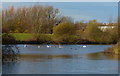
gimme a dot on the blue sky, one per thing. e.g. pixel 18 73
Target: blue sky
pixel 101 11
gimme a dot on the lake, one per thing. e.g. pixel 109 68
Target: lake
pixel 62 59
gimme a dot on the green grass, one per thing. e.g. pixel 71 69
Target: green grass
pixel 44 37
pixel 28 36
pixel 22 36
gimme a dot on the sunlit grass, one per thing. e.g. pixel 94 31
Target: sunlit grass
pixel 28 36
pixel 22 36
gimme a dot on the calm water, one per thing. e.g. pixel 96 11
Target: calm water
pixel 64 59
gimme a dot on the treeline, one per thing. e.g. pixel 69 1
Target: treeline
pixel 34 19
pixel 38 20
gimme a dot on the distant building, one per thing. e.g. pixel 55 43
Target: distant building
pixel 106 27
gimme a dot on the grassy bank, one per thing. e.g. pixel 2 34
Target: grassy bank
pixel 28 38
pixel 113 50
pixel 25 38
pixel 22 36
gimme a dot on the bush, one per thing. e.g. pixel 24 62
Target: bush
pixel 94 34
pixel 64 33
pixel 43 37
pixel 7 38
pixel 114 49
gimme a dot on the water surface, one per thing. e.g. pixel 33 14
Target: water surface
pixel 64 59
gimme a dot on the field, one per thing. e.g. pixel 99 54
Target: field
pixel 28 36
pixel 22 36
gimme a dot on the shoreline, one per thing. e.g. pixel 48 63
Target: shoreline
pixel 58 43
pixel 52 42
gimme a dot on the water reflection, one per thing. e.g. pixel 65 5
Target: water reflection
pixel 101 56
pixel 41 57
pixel 9 53
pixel 10 67
pixel 114 57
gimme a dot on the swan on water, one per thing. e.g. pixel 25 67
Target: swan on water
pixel 25 45
pixel 84 46
pixel 38 46
pixel 48 46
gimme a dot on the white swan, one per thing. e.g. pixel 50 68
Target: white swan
pixel 84 46
pixel 25 45
pixel 48 46
pixel 38 46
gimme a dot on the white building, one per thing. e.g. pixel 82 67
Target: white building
pixel 105 27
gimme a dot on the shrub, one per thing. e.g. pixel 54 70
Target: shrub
pixel 7 38
pixel 92 32
pixel 64 33
pixel 114 49
pixel 43 37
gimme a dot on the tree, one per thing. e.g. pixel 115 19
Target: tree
pixel 37 19
pixel 64 33
pixel 92 32
pixel 113 33
pixel 43 18
pixel 118 26
pixel 8 18
pixel 80 27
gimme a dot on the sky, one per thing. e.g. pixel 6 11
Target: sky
pixel 101 11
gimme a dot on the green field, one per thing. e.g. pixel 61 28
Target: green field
pixel 22 36
pixel 28 36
